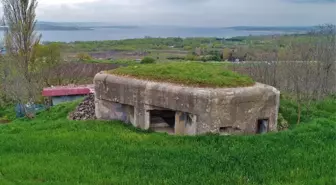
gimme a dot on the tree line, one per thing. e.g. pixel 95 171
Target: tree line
pixel 305 71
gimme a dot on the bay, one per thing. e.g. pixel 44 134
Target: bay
pixel 141 32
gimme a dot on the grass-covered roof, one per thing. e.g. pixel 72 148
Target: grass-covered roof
pixel 187 73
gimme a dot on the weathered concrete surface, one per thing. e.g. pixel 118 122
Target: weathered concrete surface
pixel 198 110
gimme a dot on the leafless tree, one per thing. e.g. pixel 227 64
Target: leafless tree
pixel 325 53
pixel 305 69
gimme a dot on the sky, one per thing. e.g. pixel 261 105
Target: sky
pixel 223 13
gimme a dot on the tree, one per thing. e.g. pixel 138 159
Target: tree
pixel 226 53
pixel 148 60
pixel 323 51
pixel 83 57
pixel 20 37
pixel 21 41
pixel 305 68
pixel 48 57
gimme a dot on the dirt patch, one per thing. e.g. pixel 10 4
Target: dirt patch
pixel 3 122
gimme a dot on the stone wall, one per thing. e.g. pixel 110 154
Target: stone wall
pixel 198 110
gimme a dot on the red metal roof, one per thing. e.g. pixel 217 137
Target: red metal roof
pixel 68 90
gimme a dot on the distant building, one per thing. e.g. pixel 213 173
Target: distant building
pixel 60 94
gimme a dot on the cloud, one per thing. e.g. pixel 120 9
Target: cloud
pixel 191 12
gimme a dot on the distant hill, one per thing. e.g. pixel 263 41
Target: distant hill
pixel 46 26
pixel 43 26
pixel 73 26
pixel 79 25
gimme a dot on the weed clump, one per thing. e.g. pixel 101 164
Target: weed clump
pixel 148 60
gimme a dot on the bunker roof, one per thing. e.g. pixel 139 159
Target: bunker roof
pixel 194 74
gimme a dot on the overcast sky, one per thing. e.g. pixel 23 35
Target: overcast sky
pixel 191 12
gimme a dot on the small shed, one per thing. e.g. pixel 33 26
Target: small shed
pixel 59 94
pixel 3 51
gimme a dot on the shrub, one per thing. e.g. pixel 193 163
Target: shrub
pixel 282 123
pixel 191 57
pixel 83 57
pixel 148 60
pixel 176 58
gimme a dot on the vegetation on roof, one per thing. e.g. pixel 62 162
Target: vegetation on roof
pixel 187 73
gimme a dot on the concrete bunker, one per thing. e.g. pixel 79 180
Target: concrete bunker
pixel 183 110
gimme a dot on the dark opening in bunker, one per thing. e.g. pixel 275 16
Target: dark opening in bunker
pixel 229 130
pixel 262 126
pixel 162 121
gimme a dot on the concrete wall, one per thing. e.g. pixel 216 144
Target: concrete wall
pixel 114 111
pixel 210 110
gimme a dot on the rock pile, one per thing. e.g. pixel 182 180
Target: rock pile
pixel 85 110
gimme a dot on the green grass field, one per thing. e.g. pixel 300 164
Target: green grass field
pixel 53 150
pixel 187 73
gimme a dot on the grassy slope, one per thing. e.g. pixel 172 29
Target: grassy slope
pixel 53 150
pixel 188 73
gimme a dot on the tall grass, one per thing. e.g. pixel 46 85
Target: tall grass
pixel 53 150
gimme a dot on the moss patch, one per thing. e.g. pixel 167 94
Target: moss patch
pixel 187 73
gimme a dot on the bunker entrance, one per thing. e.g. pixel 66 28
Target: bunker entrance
pixel 162 121
pixel 262 126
